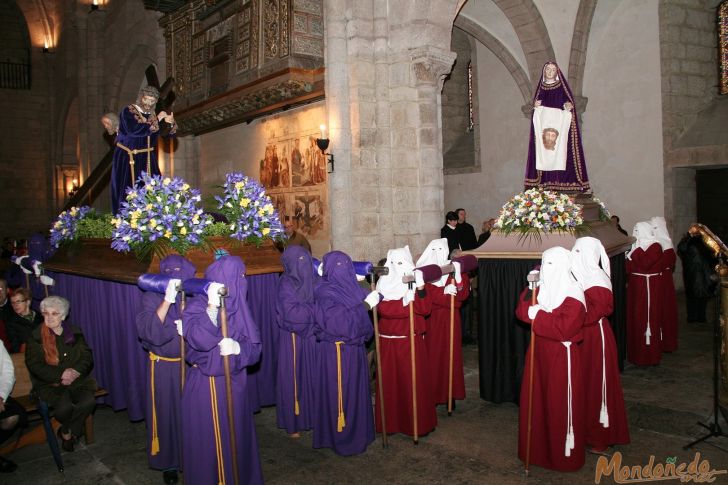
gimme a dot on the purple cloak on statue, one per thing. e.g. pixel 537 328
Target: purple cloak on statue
pixel 206 441
pixel 574 178
pixel 161 341
pixel 137 131
pixel 344 419
pixel 298 360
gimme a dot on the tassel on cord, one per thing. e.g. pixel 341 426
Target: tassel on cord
pixel 569 445
pixel 603 413
pixel 296 407
pixel 341 421
pixel 648 334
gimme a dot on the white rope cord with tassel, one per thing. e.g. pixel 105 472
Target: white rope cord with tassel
pixel 603 413
pixel 569 445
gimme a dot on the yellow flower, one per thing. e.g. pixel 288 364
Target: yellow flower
pixel 185 187
pixel 73 211
pixel 195 220
pixel 244 202
pixel 149 206
pixel 58 224
pixel 167 234
pixel 152 223
pixel 166 181
pixel 265 231
pixel 239 185
pixel 183 231
pixel 261 212
pixel 133 224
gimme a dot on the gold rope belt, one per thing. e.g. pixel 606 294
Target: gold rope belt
pixel 341 422
pixel 155 437
pixel 148 150
pixel 218 436
pixel 296 408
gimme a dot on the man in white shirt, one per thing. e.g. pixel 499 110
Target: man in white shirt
pixel 11 413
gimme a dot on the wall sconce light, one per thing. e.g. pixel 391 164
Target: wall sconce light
pixel 323 144
pixel 94 6
pixel 45 49
pixel 74 187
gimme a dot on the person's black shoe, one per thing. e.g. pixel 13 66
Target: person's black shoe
pixel 7 466
pixel 170 477
pixel 67 445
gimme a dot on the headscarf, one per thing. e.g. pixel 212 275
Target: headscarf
pixel 399 262
pixel 339 280
pixel 586 255
pixel 298 272
pixel 644 237
pixel 436 253
pixel 176 266
pixel 543 75
pixel 659 228
pixel 37 248
pixel 556 282
pixel 230 271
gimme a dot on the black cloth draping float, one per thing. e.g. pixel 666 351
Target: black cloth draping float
pixel 503 339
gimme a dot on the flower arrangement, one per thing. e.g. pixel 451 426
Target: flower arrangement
pixel 604 214
pixel 249 211
pixel 537 210
pixel 159 216
pixel 66 226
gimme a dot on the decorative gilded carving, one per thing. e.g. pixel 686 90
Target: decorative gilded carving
pixel 247 103
pixel 284 27
pixel 271 34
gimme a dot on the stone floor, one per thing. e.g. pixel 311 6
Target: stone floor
pixel 476 445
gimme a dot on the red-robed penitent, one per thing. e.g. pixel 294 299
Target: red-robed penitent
pixel 437 341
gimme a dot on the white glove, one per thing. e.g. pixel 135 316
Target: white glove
pixel 533 284
pixel 320 269
pixel 372 299
pixel 37 268
pixel 409 296
pixel 19 261
pixel 458 275
pixel 170 293
pixel 229 346
pixel 360 277
pixel 47 280
pixel 450 290
pixel 419 279
pixel 533 310
pixel 213 293
pixel 178 324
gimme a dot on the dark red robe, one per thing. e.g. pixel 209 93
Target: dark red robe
pixel 397 369
pixel 438 341
pixel 599 304
pixel 668 301
pixel 639 263
pixel 550 387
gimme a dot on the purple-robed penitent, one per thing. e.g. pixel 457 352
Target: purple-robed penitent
pixel 298 361
pixel 341 316
pixel 574 178
pixel 137 131
pixel 204 406
pixel 160 338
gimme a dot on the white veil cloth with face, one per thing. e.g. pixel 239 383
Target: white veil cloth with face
pixel 436 253
pixel 399 262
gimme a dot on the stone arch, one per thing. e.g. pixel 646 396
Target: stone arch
pixel 531 31
pixel 579 44
pixel 15 46
pixel 129 76
pixel 40 23
pixel 500 51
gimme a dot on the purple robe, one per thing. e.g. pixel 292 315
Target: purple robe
pixel 262 376
pixel 134 129
pixel 574 178
pixel 344 419
pixel 204 406
pixel 298 360
pixel 160 338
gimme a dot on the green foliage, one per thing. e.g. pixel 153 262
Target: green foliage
pixel 95 226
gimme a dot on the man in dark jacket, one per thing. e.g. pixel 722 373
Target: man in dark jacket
pixel 698 275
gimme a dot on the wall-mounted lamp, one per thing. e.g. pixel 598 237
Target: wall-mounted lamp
pixel 74 187
pixel 45 49
pixel 323 144
pixel 94 6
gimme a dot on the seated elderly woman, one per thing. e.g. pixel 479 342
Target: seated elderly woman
pixel 24 320
pixel 60 363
